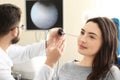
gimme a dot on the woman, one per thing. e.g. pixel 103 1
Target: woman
pixel 98 43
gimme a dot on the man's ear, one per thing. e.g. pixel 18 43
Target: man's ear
pixel 14 31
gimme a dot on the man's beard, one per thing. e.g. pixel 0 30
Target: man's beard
pixel 15 40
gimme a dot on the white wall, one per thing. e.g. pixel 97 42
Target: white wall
pixel 73 12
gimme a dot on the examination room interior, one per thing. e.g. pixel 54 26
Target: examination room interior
pixel 75 12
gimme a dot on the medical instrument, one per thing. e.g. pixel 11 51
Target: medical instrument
pixel 61 32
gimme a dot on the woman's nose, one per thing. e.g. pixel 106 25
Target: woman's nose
pixel 83 39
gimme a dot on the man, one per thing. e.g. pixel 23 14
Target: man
pixel 10 16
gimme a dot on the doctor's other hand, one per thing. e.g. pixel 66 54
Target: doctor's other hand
pixel 55 47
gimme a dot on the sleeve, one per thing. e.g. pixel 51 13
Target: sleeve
pixel 45 73
pixel 20 54
pixel 114 74
pixel 5 75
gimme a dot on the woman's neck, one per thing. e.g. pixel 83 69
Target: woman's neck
pixel 86 61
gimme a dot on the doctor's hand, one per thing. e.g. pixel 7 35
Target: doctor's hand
pixel 55 47
pixel 53 36
pixel 54 52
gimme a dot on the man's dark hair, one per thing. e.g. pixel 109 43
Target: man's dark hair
pixel 9 16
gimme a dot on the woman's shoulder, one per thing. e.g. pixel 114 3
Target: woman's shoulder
pixel 114 73
pixel 115 70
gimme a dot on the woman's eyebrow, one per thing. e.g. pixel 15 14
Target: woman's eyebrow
pixel 82 29
pixel 89 32
pixel 92 33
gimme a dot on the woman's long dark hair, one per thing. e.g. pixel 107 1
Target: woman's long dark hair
pixel 107 55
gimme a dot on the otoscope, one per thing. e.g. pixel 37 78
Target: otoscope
pixel 61 32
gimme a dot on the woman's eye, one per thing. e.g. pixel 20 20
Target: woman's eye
pixel 92 37
pixel 82 32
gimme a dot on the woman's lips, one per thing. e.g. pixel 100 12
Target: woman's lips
pixel 82 47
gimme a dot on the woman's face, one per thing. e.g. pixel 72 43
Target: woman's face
pixel 90 39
